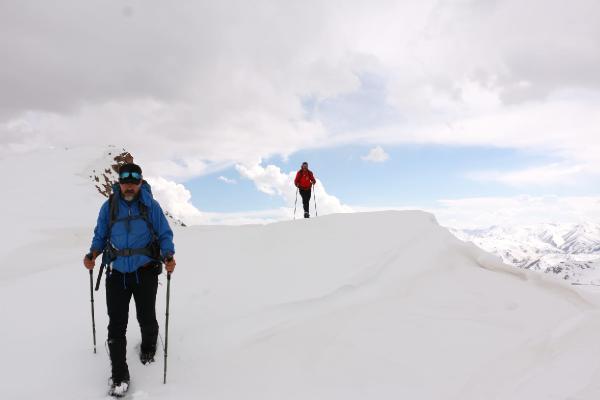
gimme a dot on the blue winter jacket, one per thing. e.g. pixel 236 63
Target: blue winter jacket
pixel 134 233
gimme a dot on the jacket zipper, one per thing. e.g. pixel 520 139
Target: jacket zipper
pixel 127 237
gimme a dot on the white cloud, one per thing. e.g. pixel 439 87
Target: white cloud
pixel 272 181
pixel 182 102
pixel 465 213
pixel 377 155
pixel 175 198
pixel 269 180
pixel 214 84
pixel 564 125
pixel 241 218
pixel 488 211
pixel 227 180
pixel 483 212
pixel 551 174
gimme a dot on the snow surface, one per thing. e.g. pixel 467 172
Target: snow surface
pixel 382 305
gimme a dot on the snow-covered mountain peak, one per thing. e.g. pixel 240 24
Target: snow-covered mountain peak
pixel 103 173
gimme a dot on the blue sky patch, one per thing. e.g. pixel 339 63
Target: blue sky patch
pixel 414 175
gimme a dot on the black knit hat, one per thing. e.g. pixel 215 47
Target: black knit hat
pixel 130 173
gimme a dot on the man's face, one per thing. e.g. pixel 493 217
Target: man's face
pixel 305 166
pixel 130 190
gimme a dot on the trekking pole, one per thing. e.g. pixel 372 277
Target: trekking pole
pixel 315 199
pixel 100 273
pixel 167 321
pixel 89 256
pixel 584 284
pixel 295 203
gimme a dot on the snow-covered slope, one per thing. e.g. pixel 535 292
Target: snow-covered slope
pixel 564 250
pixel 357 306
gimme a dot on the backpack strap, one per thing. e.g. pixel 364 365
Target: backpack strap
pixel 144 216
pixel 152 250
pixel 108 252
pixel 113 201
pixel 144 251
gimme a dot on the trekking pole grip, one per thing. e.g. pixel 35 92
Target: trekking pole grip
pixel 168 259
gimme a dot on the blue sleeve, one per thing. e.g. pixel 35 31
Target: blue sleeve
pixel 101 231
pixel 162 230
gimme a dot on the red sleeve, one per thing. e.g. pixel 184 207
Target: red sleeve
pixel 312 178
pixel 297 178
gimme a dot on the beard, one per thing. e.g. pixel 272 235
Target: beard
pixel 129 195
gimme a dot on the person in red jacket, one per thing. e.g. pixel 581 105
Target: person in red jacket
pixel 304 182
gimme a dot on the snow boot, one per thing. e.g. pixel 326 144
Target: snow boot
pixel 117 348
pixel 147 355
pixel 306 215
pixel 118 388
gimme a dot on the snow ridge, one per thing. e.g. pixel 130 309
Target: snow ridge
pixel 383 305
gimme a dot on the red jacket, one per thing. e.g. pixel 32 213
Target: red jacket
pixel 304 180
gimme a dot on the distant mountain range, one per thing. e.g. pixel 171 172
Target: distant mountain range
pixel 570 251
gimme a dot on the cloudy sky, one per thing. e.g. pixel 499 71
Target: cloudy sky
pixel 481 111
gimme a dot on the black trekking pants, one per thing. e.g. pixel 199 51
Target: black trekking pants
pixel 119 289
pixel 305 194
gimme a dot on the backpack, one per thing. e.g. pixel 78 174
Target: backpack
pixel 109 254
pixel 304 180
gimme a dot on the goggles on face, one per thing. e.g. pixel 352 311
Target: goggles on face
pixel 130 175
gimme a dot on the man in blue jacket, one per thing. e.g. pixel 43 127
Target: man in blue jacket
pixel 134 231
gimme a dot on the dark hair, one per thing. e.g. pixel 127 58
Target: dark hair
pixel 130 168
